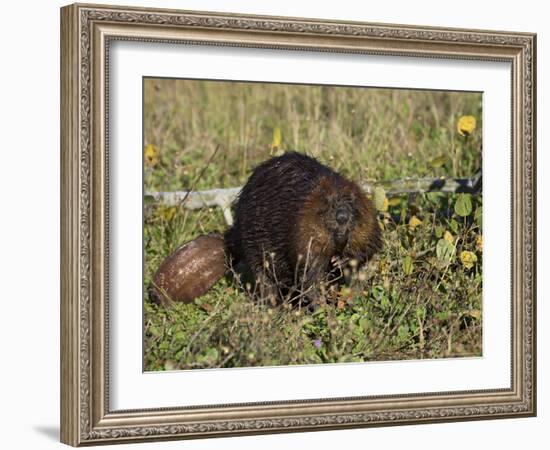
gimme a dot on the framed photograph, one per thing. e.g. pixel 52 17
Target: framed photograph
pixel 276 225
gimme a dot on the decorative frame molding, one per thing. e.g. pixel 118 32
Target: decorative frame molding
pixel 86 31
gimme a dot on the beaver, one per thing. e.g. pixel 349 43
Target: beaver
pixel 297 223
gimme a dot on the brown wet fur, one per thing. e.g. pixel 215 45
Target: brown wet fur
pixel 295 218
pixel 314 236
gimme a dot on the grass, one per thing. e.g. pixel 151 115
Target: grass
pixel 419 298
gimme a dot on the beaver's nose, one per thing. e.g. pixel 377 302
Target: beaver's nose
pixel 342 216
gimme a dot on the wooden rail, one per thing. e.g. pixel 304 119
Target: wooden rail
pixel 223 198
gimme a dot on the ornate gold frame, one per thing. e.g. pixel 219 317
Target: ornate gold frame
pixel 86 31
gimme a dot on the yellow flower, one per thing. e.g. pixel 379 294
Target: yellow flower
pixel 468 259
pixel 449 237
pixel 479 243
pixel 394 201
pixel 414 222
pixel 475 313
pixel 276 142
pixel 466 125
pixel 276 137
pixel 151 155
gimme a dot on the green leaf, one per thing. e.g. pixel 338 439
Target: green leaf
pixel 380 199
pixel 209 357
pixel 403 215
pixel 433 197
pixel 403 332
pixel 407 265
pixel 385 302
pixel 154 331
pixel 364 323
pixel 164 345
pixel 421 312
pixel 378 292
pixel 444 250
pixel 439 230
pixel 463 205
pixel 454 226
pixel 478 216
pixel 438 162
pixel 179 336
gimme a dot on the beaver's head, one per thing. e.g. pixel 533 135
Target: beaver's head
pixel 338 210
pixel 337 220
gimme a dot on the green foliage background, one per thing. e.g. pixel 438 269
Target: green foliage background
pixel 419 298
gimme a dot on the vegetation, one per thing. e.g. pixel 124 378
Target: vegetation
pixel 419 298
